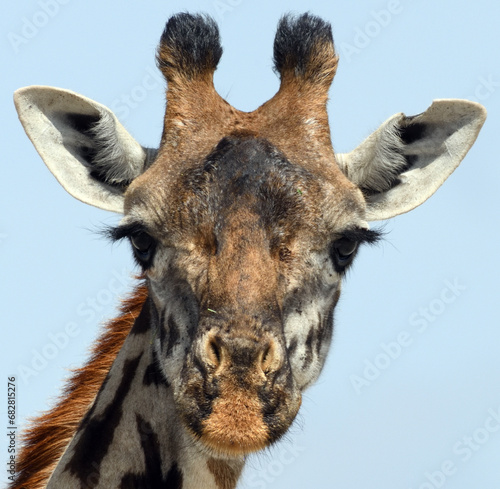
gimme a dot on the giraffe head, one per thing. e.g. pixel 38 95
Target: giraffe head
pixel 244 223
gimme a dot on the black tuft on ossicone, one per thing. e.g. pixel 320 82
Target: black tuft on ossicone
pixel 189 44
pixel 297 40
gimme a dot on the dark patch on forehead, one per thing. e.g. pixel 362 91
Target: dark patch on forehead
pixel 249 171
pixel 97 437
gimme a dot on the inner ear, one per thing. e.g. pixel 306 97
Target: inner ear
pixel 394 159
pixel 412 131
pixel 83 146
pixel 95 140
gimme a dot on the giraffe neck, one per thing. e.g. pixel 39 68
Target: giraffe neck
pixel 131 436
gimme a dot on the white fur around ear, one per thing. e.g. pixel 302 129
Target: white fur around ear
pixel 407 159
pixel 82 143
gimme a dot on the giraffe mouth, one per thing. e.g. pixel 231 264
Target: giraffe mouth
pixel 241 422
pixel 236 425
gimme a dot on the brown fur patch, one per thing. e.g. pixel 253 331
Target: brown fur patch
pixel 241 273
pixel 236 425
pixel 49 434
pixel 224 474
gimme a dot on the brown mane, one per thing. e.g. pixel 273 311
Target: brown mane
pixel 49 434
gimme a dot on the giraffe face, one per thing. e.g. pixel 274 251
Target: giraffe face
pixel 243 226
pixel 244 268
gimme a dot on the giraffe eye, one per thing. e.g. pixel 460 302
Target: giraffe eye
pixel 343 251
pixel 143 245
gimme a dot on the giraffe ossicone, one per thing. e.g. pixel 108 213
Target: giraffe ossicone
pixel 243 224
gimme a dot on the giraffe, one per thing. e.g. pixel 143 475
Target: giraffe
pixel 243 226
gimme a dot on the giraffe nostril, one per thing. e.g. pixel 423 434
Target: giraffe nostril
pixel 214 351
pixel 265 360
pixel 269 358
pixel 239 354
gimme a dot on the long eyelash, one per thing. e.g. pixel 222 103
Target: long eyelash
pixel 119 232
pixel 370 236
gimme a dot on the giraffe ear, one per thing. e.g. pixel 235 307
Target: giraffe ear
pixel 407 159
pixel 82 143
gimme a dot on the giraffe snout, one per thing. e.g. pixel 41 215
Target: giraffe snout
pixel 239 394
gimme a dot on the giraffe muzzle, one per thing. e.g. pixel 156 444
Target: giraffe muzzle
pixel 239 395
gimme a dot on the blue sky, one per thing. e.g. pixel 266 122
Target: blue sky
pixel 418 318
